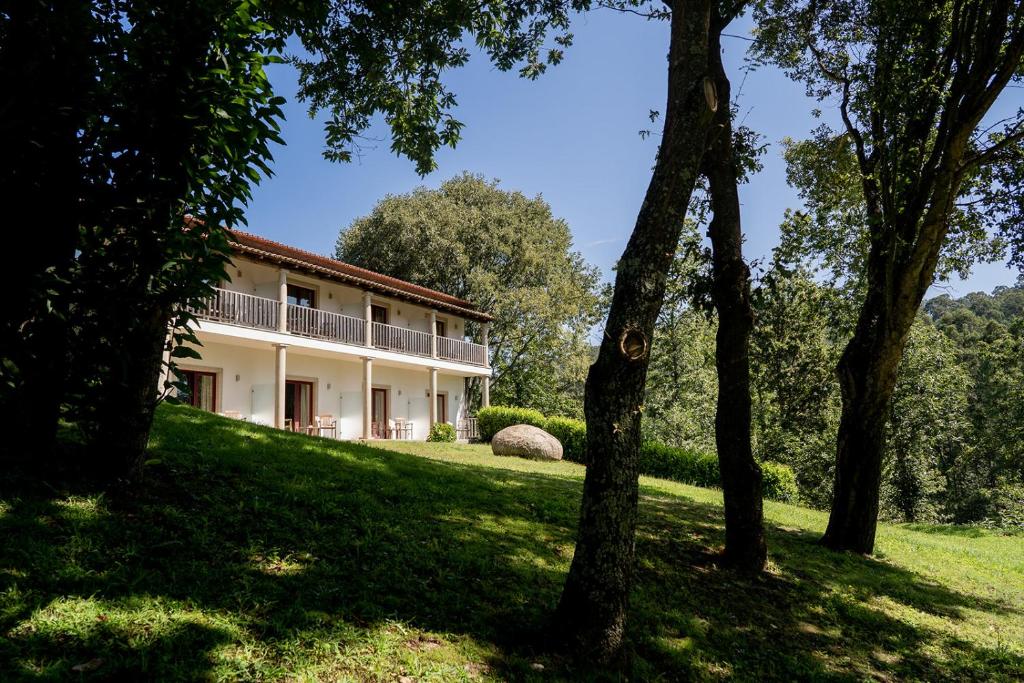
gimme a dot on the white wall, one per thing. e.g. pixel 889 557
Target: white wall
pixel 338 386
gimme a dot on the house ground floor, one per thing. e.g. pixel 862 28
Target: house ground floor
pixel 330 394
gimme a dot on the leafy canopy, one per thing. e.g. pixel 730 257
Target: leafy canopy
pixel 506 253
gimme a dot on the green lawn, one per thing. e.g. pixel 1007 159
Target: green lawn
pixel 256 554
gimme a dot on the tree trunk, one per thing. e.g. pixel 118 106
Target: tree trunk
pixel 591 615
pixel 129 396
pixel 867 377
pixel 745 546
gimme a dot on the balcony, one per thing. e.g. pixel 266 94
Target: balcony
pixel 246 310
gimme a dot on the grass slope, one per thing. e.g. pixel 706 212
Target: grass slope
pixel 256 554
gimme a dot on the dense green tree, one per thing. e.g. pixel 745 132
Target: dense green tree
pixel 801 327
pixel 914 82
pixel 507 253
pixel 143 111
pixel 929 433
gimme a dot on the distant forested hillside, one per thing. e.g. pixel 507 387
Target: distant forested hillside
pixel 955 450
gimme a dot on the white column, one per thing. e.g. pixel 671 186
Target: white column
pixel 367 397
pixel 282 300
pixel 485 389
pixel 368 317
pixel 281 358
pixel 485 330
pixel 433 333
pixel 433 397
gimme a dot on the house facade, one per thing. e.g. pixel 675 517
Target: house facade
pixel 307 343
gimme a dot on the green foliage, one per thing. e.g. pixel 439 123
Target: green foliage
pixel 701 469
pixel 508 254
pixel 368 59
pixel 685 465
pixel 572 434
pixel 442 432
pixel 495 418
pixel 779 482
pixel 682 383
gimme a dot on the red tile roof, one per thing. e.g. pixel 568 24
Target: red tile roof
pixel 332 269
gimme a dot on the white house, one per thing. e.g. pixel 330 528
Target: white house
pixel 304 342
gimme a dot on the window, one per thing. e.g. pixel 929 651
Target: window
pixel 301 296
pixel 442 328
pixel 202 389
pixel 379 314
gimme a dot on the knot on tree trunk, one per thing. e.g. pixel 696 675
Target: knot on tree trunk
pixel 633 344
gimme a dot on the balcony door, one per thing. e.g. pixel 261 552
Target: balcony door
pixel 298 404
pixel 379 413
pixel 300 320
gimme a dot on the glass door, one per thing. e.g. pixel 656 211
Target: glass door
pixel 202 389
pixel 298 405
pixel 442 406
pixel 379 413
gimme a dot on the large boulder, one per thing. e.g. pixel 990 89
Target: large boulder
pixel 526 441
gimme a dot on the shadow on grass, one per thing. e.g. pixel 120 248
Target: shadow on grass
pixel 247 546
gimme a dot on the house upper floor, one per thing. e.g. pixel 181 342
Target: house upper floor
pixel 278 288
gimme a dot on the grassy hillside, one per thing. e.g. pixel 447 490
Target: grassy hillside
pixel 256 554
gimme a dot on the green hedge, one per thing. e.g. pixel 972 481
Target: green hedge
pixel 701 469
pixel 656 460
pixel 573 435
pixel 492 420
pixel 679 464
pixel 442 432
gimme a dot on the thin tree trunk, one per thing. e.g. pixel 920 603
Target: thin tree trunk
pixel 591 615
pixel 745 546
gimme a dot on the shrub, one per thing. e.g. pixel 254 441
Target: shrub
pixel 701 469
pixel 492 420
pixel 679 464
pixel 779 482
pixel 573 435
pixel 686 465
pixel 442 432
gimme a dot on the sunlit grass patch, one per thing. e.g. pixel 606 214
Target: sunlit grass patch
pixel 251 553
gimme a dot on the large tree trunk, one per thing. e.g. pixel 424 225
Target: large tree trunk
pixel 592 612
pixel 128 395
pixel 745 546
pixel 867 376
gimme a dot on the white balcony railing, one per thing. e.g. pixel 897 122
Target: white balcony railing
pixel 246 310
pixel 401 339
pixel 238 308
pixel 461 351
pixel 312 322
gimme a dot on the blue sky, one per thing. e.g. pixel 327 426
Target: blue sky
pixel 571 136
